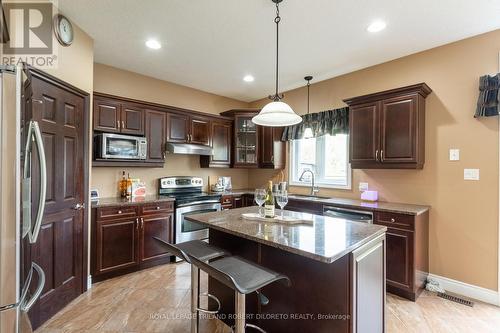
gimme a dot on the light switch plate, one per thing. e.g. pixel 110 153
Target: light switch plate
pixel 363 187
pixel 454 154
pixel 471 174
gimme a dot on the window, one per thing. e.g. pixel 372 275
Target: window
pixel 326 156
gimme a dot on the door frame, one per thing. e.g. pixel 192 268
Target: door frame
pixel 35 72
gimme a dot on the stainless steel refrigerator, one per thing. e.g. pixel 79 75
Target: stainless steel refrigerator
pixel 20 218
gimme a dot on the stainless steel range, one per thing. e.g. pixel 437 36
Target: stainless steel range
pixel 189 199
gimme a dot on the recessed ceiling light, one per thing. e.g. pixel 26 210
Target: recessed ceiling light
pixel 153 44
pixel 248 78
pixel 376 26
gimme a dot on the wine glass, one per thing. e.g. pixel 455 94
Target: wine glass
pixel 260 198
pixel 282 200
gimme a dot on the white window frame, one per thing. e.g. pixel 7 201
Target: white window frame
pixel 291 171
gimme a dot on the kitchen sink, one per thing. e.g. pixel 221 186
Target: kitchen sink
pixel 305 196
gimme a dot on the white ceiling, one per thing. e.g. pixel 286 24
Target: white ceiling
pixel 211 44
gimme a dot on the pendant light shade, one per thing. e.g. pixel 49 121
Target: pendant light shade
pixel 277 113
pixel 308 132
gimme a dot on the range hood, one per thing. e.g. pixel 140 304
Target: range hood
pixel 188 148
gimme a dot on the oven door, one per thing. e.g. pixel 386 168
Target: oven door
pixel 117 146
pixel 187 230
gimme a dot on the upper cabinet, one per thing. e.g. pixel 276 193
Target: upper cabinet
pixel 114 116
pixel 222 145
pixel 255 146
pixel 156 125
pixel 188 129
pixel 387 129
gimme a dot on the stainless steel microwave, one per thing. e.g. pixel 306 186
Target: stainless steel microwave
pixel 118 146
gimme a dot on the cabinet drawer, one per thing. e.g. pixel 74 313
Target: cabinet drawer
pixel 118 212
pixel 395 220
pixel 157 208
pixel 226 200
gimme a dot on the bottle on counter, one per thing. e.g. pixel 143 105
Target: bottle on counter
pixel 128 186
pixel 122 186
pixel 269 203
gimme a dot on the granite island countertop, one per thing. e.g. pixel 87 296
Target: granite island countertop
pixel 326 239
pixel 118 201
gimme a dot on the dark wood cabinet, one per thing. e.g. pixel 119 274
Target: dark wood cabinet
pixel 117 242
pixel 122 238
pixel 178 128
pixel 155 226
pixel 200 131
pixel 387 129
pixel 237 201
pixel 132 119
pixel 272 149
pixel 155 134
pixel 407 260
pixel 221 145
pixel 107 115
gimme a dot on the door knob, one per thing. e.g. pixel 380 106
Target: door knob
pixel 79 206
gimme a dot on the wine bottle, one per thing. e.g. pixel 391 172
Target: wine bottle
pixel 122 184
pixel 269 203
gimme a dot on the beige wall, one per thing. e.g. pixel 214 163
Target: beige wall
pixel 464 214
pixel 124 83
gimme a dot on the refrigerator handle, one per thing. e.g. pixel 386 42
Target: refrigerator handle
pixel 26 305
pixel 34 132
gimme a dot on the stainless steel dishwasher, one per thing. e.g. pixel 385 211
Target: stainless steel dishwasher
pixel 348 214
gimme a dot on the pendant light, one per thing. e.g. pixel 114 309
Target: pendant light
pixel 308 132
pixel 277 113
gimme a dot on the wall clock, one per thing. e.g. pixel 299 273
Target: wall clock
pixel 63 29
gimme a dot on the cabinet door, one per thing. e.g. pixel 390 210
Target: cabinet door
pixel 155 226
pixel 398 119
pixel 364 133
pixel 221 144
pixel 200 131
pixel 107 115
pixel 155 132
pixel 271 148
pixel 116 244
pixel 399 258
pixel 246 142
pixel 177 128
pixel 237 202
pixel 132 120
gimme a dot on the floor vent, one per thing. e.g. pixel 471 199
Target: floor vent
pixel 456 299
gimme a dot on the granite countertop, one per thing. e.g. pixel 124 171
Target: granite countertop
pixel 392 207
pixel 108 202
pixel 326 240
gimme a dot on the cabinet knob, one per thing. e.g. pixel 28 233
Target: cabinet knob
pixel 157 207
pixel 393 220
pixel 119 212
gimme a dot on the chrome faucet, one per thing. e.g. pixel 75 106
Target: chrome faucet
pixel 314 188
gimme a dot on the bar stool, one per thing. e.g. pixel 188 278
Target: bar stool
pixel 244 277
pixel 203 252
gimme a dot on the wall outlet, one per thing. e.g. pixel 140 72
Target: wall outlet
pixel 454 154
pixel 363 187
pixel 471 174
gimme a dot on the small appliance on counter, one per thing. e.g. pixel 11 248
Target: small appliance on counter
pixel 369 195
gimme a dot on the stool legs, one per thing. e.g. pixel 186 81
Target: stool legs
pixel 240 312
pixel 195 299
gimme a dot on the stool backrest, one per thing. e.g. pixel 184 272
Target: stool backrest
pixel 174 250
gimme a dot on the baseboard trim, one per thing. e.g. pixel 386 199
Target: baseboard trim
pixel 467 290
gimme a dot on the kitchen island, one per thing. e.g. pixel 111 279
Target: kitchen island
pixel 336 266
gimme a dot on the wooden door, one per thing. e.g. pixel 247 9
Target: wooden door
pixel 160 226
pixel 177 128
pixel 60 111
pixel 398 120
pixel 364 133
pixel 221 145
pixel 116 244
pixel 155 132
pixel 200 131
pixel 271 148
pixel 399 258
pixel 132 120
pixel 107 115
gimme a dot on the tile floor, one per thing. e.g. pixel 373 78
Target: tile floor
pixel 157 300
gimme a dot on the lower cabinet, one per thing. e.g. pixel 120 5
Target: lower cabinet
pixel 122 238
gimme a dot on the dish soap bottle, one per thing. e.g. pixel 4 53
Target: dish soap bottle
pixel 269 203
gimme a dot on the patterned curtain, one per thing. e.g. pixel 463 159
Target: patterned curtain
pixel 488 103
pixel 327 122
